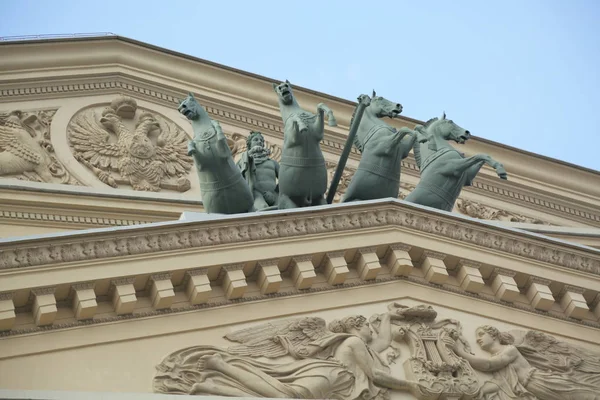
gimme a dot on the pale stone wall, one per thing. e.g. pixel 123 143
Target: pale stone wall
pixel 120 278
pixel 109 363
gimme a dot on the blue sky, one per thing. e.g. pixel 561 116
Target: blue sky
pixel 525 73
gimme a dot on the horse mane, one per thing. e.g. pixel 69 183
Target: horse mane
pixel 417 152
pixel 417 145
pixel 357 142
pixel 429 122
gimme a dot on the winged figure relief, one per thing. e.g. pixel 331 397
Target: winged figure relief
pixel 302 358
pixel 26 152
pixel 129 146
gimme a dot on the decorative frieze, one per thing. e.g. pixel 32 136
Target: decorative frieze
pixel 573 302
pixel 44 306
pixel 398 259
pixel 433 266
pixel 504 285
pixel 198 287
pixel 161 291
pixel 84 300
pixel 123 296
pixel 234 281
pixel 539 294
pixel 301 225
pixel 469 277
pixel 7 311
pixel 335 267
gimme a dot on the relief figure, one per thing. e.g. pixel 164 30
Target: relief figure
pixel 338 361
pixel 535 367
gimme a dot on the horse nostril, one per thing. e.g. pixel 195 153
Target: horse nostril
pixel 467 133
pixel 399 105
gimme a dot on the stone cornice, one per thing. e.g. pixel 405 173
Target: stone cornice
pixel 247 299
pixel 62 205
pixel 97 244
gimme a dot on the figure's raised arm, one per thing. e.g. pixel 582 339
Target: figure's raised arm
pixel 384 337
pixel 493 363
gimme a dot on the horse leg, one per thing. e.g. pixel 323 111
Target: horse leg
pixel 485 159
pixel 498 167
pixel 456 167
pixel 259 201
pixel 319 125
pixel 319 201
pixel 411 143
pixel 322 108
pixel 284 202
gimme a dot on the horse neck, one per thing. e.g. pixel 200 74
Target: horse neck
pixel 439 143
pixel 202 123
pixel 288 109
pixel 368 121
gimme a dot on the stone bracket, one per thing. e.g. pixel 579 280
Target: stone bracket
pixel 84 301
pixel 44 306
pixel 573 303
pixel 335 268
pixel 161 291
pixel 398 259
pixel 504 285
pixel 539 294
pixel 434 268
pixel 595 306
pixel 234 281
pixel 367 263
pixel 124 299
pixel 469 276
pixel 198 287
pixel 303 272
pixel 269 276
pixel 7 311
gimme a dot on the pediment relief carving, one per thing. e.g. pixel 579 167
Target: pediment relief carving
pixel 401 350
pixel 478 210
pixel 125 145
pixel 26 150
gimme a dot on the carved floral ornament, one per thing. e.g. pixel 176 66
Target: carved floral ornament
pixel 403 349
pixel 298 226
pixel 126 145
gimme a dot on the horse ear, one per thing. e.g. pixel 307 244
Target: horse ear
pixel 191 95
pixel 288 82
pixel 274 86
pixel 443 115
pixel 374 94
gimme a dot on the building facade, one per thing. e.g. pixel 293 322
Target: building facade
pixel 112 280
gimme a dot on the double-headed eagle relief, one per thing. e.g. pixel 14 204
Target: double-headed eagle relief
pixel 126 145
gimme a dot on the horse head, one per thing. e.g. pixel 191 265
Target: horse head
pixel 382 107
pixel 284 92
pixel 448 130
pixel 190 108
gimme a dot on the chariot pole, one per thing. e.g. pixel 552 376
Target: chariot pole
pixel 363 102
